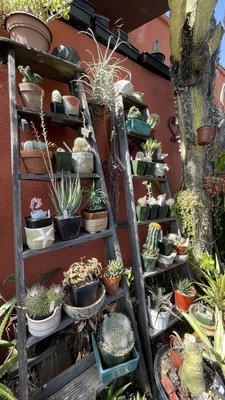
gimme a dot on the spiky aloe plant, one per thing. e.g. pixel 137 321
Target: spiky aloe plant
pixel 66 196
pixel 185 287
pixel 114 268
pixel 111 393
pixel 95 199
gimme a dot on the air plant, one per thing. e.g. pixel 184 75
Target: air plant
pixel 102 72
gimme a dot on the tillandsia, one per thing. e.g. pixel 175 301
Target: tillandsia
pixel 46 10
pixel 29 76
pixel 102 72
pixel 95 199
pixel 40 301
pixel 114 268
pixel 82 273
pixel 36 212
pixel 150 248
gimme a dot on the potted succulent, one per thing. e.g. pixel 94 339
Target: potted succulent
pixel 83 280
pixel 150 250
pixel 156 52
pixel 35 156
pixel 63 160
pixel 151 148
pixel 139 164
pixel 165 246
pixel 136 123
pixel 159 309
pixel 66 196
pixel 95 214
pixel 82 157
pixel 27 21
pixel 142 209
pixel 112 276
pixel 29 89
pixel 43 309
pixel 184 294
pixel 39 229
pixel 180 244
pixel 163 207
pixel 205 316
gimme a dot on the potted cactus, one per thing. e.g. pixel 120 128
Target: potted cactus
pixel 95 214
pixel 180 244
pixel 184 294
pixel 35 156
pixel 66 196
pixel 137 123
pixel 150 250
pixel 29 89
pixel 43 309
pixel 39 228
pixel 138 164
pixel 82 157
pixel 159 309
pixel 83 281
pixel 151 148
pixel 112 276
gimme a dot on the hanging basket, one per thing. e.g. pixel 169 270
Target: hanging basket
pixel 206 134
pixel 80 313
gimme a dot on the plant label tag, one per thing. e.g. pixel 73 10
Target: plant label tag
pixel 85 132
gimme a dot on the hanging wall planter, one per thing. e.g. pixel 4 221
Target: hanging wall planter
pixel 137 127
pixel 206 134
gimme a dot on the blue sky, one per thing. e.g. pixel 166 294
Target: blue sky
pixel 220 13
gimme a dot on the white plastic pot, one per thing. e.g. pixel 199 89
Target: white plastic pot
pixel 83 162
pixel 158 321
pixel 159 169
pixel 124 86
pixel 46 326
pixel 166 261
pixel 71 105
pixel 40 238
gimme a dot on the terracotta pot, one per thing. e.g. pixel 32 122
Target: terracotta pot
pixel 29 30
pixel 181 250
pixel 111 284
pixel 183 301
pixel 95 221
pixel 212 186
pixel 33 161
pixel 206 134
pixel 31 95
pixel 176 358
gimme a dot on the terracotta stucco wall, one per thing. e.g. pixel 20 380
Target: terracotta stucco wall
pixel 159 97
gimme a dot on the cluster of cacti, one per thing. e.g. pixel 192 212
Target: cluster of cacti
pixel 81 144
pixel 150 248
pixel 29 76
pixel 81 273
pixel 114 268
pixel 184 286
pixel 40 301
pixel 150 146
pixel 116 336
pixel 134 112
pixel 153 120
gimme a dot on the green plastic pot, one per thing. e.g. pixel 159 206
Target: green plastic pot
pixel 63 161
pixel 149 263
pixel 142 212
pixel 138 167
pixel 150 168
pixel 163 211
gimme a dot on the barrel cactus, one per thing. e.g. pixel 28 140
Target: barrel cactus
pixel 115 339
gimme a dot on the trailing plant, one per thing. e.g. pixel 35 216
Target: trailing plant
pixel 95 199
pixel 114 268
pixel 102 72
pixel 82 273
pixel 29 76
pixel 66 196
pixel 36 213
pixel 150 248
pixel 40 301
pixel 185 287
pixel 45 10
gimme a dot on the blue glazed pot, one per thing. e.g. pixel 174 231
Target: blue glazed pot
pixel 137 127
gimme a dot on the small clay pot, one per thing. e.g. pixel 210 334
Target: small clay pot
pixel 31 95
pixel 176 358
pixel 182 301
pixel 34 162
pixel 206 134
pixel 111 284
pixel 95 221
pixel 181 250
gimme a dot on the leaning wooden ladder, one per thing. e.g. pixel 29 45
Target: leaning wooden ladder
pixel 80 381
pixel 123 103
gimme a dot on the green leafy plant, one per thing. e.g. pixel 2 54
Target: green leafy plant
pixel 95 199
pixel 114 268
pixel 82 273
pixel 102 72
pixel 137 396
pixel 29 76
pixel 213 290
pixel 150 146
pixel 207 264
pixel 111 393
pixel 66 196
pixel 184 286
pixel 40 301
pixel 46 10
pixel 5 393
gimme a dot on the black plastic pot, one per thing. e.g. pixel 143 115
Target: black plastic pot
pixel 57 107
pixel 163 211
pixel 102 33
pixel 138 167
pixel 68 228
pixel 85 295
pixel 81 13
pixel 155 156
pixel 66 53
pixel 159 56
pixel 63 161
pixel 165 247
pixel 121 34
pixel 101 19
pixel 150 168
pixel 142 212
pixel 39 223
pixel 128 50
pixel 154 209
pixel 152 64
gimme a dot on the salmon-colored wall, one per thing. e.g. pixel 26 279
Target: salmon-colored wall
pixel 159 97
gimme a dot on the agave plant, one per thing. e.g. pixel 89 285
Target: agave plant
pixel 111 393
pixel 102 72
pixel 185 287
pixel 66 196
pixel 94 198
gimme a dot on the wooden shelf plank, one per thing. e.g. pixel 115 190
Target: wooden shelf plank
pixel 123 224
pixel 51 117
pixel 42 63
pixel 66 321
pixel 148 178
pixel 158 271
pixel 172 320
pixel 133 101
pixel 45 177
pixel 82 238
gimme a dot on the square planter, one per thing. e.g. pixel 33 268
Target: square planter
pixel 96 221
pixel 149 263
pixel 68 228
pixel 85 295
pixel 163 211
pixel 165 248
pixel 154 210
pixel 63 161
pixel 158 321
pixel 137 127
pixel 108 375
pixel 138 167
pixel 150 63
pixel 150 168
pixel 142 212
pixel 102 33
